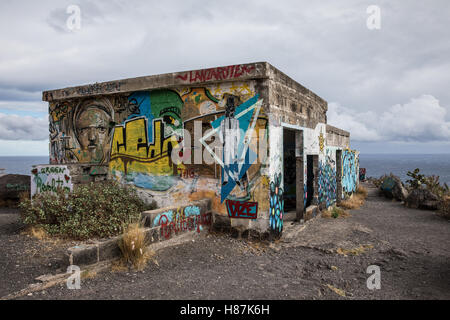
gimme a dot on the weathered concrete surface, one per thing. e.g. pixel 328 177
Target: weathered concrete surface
pixel 258 70
pixel 410 246
pixel 12 186
pixel 337 137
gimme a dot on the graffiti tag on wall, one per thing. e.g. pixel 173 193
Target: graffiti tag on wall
pixel 221 73
pixel 183 219
pixel 50 178
pixel 242 209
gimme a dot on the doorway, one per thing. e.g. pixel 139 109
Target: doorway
pixel 312 172
pixel 338 176
pixel 289 172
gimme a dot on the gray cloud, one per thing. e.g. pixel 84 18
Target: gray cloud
pixel 422 119
pixel 14 127
pixel 324 45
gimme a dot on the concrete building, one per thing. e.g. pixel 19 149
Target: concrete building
pixel 249 138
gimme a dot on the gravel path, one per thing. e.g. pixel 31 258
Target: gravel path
pixel 313 261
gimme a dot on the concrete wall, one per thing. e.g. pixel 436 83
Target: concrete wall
pixel 140 134
pixel 138 128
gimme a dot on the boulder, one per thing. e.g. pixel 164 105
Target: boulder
pixel 392 187
pixel 12 186
pixel 422 198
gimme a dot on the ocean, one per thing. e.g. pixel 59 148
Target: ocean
pixel 375 164
pixel 20 165
pixel 399 164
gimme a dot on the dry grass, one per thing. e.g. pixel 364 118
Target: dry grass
pixel 118 266
pixel 335 212
pixel 336 290
pixel 88 274
pixel 355 251
pixel 362 191
pixel 356 200
pixel 134 247
pixel 37 232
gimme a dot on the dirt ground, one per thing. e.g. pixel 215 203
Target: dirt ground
pixel 325 258
pixel 23 257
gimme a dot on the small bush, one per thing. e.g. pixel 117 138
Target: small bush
pixel 95 210
pixel 416 180
pixel 335 212
pixel 134 246
pixel 431 182
pixel 377 182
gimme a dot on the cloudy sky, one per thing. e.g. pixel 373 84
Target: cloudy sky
pixel 389 87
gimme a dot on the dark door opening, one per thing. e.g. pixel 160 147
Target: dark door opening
pixel 289 164
pixel 338 176
pixel 309 180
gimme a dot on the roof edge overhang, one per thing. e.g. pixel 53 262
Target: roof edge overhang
pixel 239 72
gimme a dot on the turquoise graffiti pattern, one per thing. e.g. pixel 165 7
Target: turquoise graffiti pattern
pixel 327 182
pixel 349 171
pixel 276 205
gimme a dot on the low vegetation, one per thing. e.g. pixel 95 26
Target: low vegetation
pixel 335 212
pixel 134 247
pixel 444 207
pixel 377 182
pixel 431 183
pixel 356 200
pixel 96 210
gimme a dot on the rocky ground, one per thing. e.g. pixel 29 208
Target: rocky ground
pixel 324 259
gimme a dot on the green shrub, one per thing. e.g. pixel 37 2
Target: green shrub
pixel 416 180
pixel 430 182
pixel 95 210
pixel 377 182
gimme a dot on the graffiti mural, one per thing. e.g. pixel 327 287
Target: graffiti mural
pixel 141 147
pixel 80 132
pixel 135 135
pixel 235 130
pixel 327 178
pixel 50 178
pixel 276 205
pixel 350 171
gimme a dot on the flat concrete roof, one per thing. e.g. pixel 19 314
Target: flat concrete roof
pixel 338 131
pixel 239 72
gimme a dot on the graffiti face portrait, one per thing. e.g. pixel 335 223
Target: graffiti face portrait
pixel 93 133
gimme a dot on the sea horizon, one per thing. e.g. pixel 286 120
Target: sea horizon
pixel 376 164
